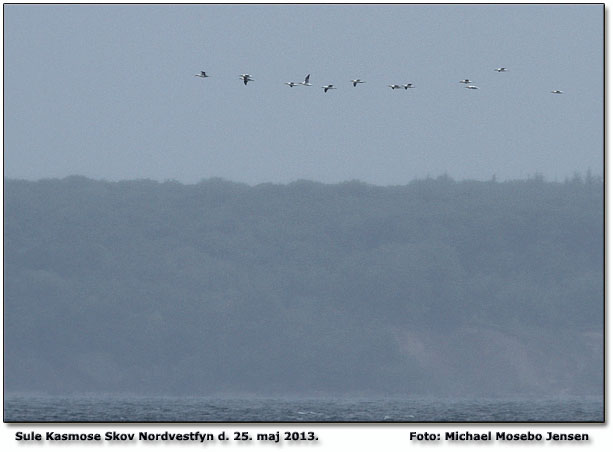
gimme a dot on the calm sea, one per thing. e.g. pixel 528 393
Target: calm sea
pixel 183 409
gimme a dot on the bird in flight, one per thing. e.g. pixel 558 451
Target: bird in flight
pixel 246 78
pixel 557 91
pixel 501 69
pixel 327 87
pixel 395 86
pixel 290 84
pixel 202 74
pixel 466 81
pixel 408 85
pixel 471 87
pixel 306 81
pixel 356 81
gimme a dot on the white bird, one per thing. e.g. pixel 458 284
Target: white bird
pixel 202 74
pixel 290 84
pixel 327 87
pixel 466 81
pixel 246 78
pixel 557 91
pixel 471 87
pixel 395 86
pixel 306 81
pixel 501 69
pixel 356 81
pixel 408 85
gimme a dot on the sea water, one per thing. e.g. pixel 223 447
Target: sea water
pixel 28 408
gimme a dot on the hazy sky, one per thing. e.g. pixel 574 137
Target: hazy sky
pixel 108 92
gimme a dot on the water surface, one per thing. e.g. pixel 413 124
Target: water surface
pixel 199 409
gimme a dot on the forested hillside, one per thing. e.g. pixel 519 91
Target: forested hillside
pixel 435 287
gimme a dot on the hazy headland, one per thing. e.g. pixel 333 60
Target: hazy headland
pixel 437 287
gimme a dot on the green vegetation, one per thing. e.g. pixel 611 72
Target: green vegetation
pixel 435 287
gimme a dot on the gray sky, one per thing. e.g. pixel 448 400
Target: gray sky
pixel 108 92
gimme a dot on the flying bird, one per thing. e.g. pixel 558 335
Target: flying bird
pixel 327 87
pixel 408 85
pixel 466 81
pixel 246 78
pixel 471 87
pixel 306 81
pixel 202 74
pixel 395 86
pixel 356 81
pixel 290 84
pixel 501 69
pixel 557 91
